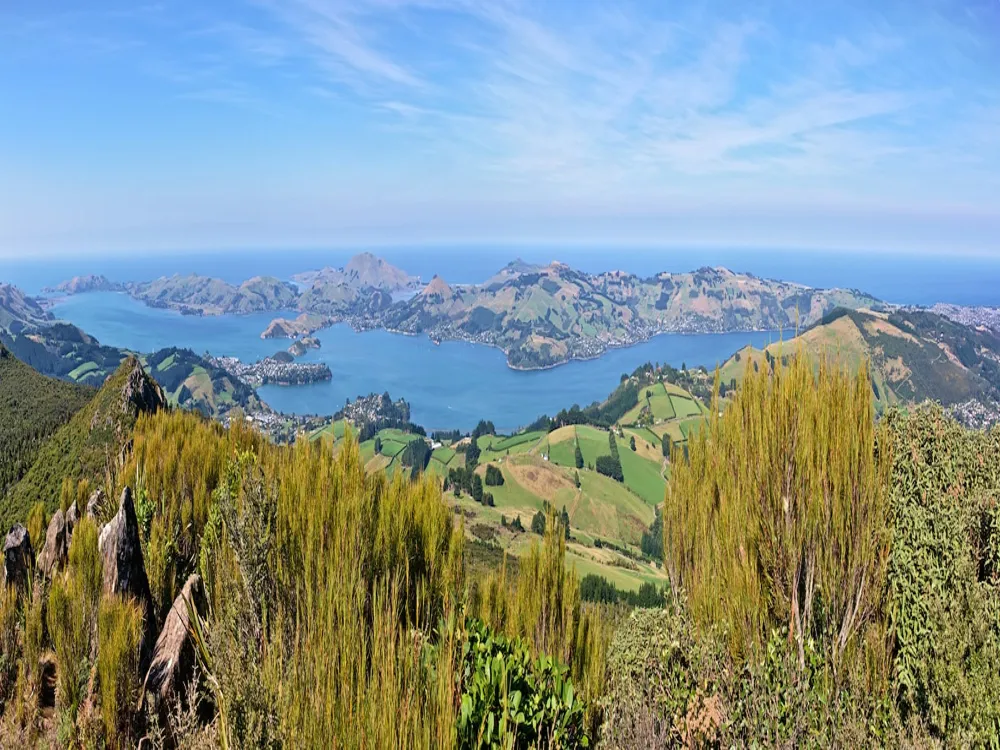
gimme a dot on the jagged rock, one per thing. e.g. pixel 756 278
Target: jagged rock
pixel 18 557
pixel 72 518
pixel 138 394
pixel 56 546
pixel 94 503
pixel 141 393
pixel 124 570
pixel 173 655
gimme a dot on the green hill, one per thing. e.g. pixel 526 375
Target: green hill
pixel 545 315
pixel 914 355
pixel 202 295
pixel 32 407
pixel 88 444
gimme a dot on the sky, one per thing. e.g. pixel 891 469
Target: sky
pixel 856 124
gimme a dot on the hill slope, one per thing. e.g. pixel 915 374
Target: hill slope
pixel 32 407
pixel 914 355
pixel 202 295
pixel 84 447
pixel 545 315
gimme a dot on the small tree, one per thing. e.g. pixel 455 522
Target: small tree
pixel 477 488
pixel 565 521
pixel 378 444
pixel 631 443
pixel 494 477
pixel 538 523
pixel 578 455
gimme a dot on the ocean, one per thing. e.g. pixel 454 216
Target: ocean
pixel 454 384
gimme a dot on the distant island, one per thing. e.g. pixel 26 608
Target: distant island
pixel 83 284
pixel 539 316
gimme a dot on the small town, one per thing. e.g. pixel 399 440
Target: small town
pixel 270 371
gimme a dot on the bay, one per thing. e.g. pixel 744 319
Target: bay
pixel 451 385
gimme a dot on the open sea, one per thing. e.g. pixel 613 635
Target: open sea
pixel 455 384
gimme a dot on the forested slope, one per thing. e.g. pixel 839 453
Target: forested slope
pixel 32 407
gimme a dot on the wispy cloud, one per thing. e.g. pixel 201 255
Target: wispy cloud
pixel 563 107
pixel 604 97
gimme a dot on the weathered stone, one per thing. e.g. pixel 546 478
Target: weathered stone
pixel 18 557
pixel 56 547
pixel 72 518
pixel 124 570
pixel 94 503
pixel 174 656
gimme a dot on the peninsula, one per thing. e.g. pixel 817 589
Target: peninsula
pixel 538 315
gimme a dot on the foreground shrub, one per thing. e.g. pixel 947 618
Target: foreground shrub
pixel 673 684
pixel 10 642
pixel 510 699
pixel 944 578
pixel 543 606
pixel 119 633
pixel 778 517
pixel 71 617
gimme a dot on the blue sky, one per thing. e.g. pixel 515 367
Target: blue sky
pixel 289 123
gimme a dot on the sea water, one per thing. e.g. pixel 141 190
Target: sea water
pixel 454 384
pixel 451 385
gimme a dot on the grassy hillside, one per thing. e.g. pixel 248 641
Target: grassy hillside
pixel 539 469
pixel 544 315
pixel 913 355
pixel 203 295
pixel 88 444
pixel 32 407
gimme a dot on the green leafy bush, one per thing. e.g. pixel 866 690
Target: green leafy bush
pixel 510 699
pixel 944 583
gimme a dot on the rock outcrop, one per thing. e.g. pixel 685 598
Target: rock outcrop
pixel 18 557
pixel 124 569
pixel 174 656
pixel 140 394
pixel 56 548
pixel 94 503
pixel 72 519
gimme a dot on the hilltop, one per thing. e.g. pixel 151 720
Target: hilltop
pixel 363 271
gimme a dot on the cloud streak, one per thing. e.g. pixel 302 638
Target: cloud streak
pixel 553 107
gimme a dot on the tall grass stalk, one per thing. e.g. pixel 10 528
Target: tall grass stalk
pixel 778 517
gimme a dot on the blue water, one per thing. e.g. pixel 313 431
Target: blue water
pixel 453 385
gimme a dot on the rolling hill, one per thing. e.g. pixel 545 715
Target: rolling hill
pixel 914 354
pixel 539 316
pixel 544 315
pixel 202 295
